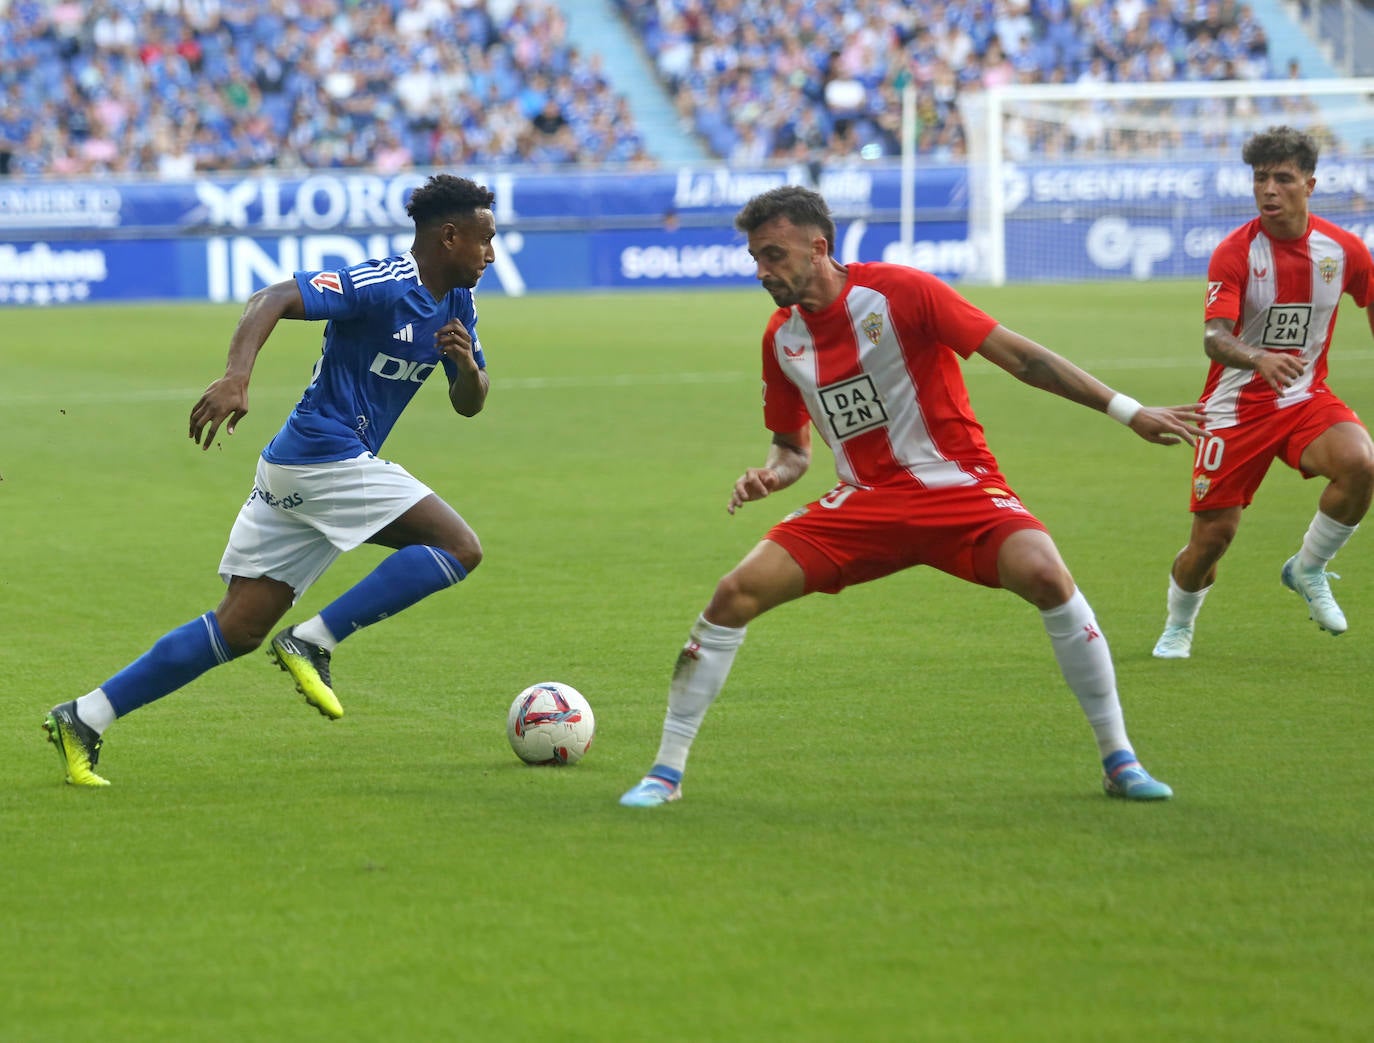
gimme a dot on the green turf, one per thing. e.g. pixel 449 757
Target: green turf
pixel 892 828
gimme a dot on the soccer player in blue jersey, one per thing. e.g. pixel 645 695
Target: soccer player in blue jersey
pixel 321 489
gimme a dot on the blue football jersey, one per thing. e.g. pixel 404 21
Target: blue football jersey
pixel 378 349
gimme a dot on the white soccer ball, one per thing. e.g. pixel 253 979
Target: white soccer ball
pixel 550 723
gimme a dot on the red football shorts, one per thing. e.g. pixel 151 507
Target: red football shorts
pixel 1229 465
pixel 853 535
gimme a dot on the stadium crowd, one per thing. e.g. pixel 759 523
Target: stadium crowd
pixel 807 79
pixel 172 87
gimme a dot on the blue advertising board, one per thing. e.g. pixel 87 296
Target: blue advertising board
pixel 225 268
pixel 221 238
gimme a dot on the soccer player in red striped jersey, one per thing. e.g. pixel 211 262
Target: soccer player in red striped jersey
pixel 1273 287
pixel 869 354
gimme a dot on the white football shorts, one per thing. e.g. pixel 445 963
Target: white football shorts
pixel 298 519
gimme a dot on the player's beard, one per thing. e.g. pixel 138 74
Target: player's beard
pixel 784 294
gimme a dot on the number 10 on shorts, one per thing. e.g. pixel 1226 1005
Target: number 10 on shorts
pixel 1209 452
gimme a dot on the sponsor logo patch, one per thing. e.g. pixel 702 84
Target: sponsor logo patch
pixel 853 406
pixel 328 281
pixel 1004 500
pixel 1286 325
pixel 284 503
pixel 388 367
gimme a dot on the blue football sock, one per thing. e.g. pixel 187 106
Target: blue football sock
pixel 176 659
pixel 401 579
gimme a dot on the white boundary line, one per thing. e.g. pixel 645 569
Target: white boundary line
pixel 615 380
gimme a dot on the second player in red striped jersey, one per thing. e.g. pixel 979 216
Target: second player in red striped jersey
pixel 1273 287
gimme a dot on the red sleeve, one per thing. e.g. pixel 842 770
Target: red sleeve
pixel 1359 278
pixel 1227 273
pixel 958 322
pixel 942 315
pixel 784 409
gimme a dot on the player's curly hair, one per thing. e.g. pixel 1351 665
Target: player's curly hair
pixel 445 196
pixel 802 206
pixel 1280 145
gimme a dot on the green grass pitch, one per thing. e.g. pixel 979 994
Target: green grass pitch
pixel 892 827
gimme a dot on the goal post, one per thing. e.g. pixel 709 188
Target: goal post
pixel 1071 182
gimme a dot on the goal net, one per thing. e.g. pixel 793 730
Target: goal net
pixel 1139 181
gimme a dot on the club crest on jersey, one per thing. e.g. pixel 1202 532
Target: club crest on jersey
pixel 872 327
pixel 1328 266
pixel 1201 485
pixel 328 281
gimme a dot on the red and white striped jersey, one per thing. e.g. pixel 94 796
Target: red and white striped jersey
pixel 1281 295
pixel 878 373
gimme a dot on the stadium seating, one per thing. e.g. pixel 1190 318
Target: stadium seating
pixel 822 79
pixel 171 87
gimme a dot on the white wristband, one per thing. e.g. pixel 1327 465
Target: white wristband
pixel 1123 408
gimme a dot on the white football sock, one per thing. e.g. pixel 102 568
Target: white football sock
pixel 1184 605
pixel 314 631
pixel 702 667
pixel 1325 536
pixel 1086 663
pixel 95 711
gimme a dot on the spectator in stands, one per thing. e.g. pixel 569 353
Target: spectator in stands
pixel 844 95
pixel 172 154
pixel 751 148
pixel 997 68
pixel 549 121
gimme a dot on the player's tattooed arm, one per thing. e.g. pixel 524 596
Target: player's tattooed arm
pixel 1038 366
pixel 789 455
pixel 1278 368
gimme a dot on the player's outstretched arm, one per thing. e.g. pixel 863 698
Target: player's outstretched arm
pixel 1163 425
pixel 1038 366
pixel 789 456
pixel 227 397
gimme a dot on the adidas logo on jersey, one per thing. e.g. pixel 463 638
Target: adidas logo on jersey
pixel 405 333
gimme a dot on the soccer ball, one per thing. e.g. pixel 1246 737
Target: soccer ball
pixel 550 723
